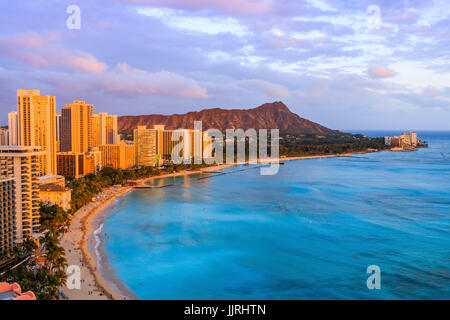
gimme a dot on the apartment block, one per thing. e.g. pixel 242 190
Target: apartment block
pixel 21 164
pixel 7 214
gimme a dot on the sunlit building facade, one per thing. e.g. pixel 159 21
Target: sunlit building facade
pixel 146 146
pixel 118 156
pixel 76 127
pixel 12 128
pixel 104 129
pixel 36 118
pixel 21 164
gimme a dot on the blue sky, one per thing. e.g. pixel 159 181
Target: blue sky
pixel 329 61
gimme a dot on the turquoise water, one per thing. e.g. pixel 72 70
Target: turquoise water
pixel 309 232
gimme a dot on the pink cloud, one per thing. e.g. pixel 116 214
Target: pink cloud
pixel 239 7
pixel 379 72
pixel 39 51
pixel 267 88
pixel 127 80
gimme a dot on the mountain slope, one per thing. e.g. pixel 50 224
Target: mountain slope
pixel 274 115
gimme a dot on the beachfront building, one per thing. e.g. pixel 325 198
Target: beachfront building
pixel 12 128
pixel 195 144
pixel 406 140
pixel 51 194
pixel 167 146
pixel 409 139
pixel 7 214
pixel 104 129
pixel 207 146
pixel 147 147
pixel 36 126
pixel 76 127
pixel 118 156
pixel 21 164
pixel 70 164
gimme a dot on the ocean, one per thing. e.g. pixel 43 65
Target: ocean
pixel 309 232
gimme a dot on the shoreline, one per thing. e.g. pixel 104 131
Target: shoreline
pixel 76 240
pixel 95 285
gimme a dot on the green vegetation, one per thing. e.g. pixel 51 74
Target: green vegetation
pixel 43 278
pixel 307 145
pixel 85 188
pixel 293 146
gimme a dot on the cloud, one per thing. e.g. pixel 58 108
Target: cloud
pixel 127 80
pixel 208 25
pixel 267 88
pixel 38 51
pixel 380 72
pixel 238 7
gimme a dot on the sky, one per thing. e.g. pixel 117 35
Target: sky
pixel 368 65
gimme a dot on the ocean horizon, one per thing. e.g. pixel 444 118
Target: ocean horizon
pixel 309 232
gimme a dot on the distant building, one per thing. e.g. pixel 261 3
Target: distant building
pixel 70 164
pixel 104 129
pixel 119 156
pixel 406 140
pixel 168 145
pixel 12 128
pixel 36 118
pixel 387 140
pixel 76 127
pixel 58 126
pixel 55 194
pixel 207 146
pixel 147 148
pixel 195 144
pixel 4 139
pixel 94 160
pixel 21 164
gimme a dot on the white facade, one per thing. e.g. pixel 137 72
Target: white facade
pixel 12 128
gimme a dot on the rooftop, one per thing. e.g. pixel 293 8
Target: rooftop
pixel 14 292
pixel 50 187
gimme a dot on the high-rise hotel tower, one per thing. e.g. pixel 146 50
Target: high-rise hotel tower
pixel 76 127
pixel 104 129
pixel 36 126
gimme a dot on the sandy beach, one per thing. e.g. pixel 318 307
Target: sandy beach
pixel 94 286
pixel 76 242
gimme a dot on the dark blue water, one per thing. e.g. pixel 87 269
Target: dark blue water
pixel 309 232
